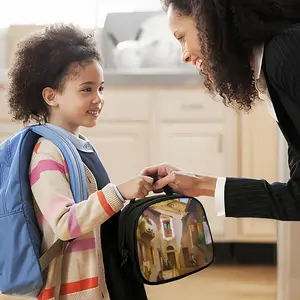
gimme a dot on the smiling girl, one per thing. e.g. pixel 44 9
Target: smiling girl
pixel 57 78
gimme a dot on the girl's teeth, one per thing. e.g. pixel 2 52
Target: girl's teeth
pixel 93 112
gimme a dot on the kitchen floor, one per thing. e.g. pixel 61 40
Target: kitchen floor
pixel 217 283
pixel 221 283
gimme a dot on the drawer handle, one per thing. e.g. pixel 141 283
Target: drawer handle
pixel 192 106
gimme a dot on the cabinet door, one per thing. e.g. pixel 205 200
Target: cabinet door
pixel 197 147
pixel 258 160
pixel 122 147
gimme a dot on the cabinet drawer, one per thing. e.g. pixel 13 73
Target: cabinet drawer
pixel 125 105
pixel 188 105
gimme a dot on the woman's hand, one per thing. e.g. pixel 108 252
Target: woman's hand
pixel 181 181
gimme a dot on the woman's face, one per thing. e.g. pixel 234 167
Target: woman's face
pixel 185 31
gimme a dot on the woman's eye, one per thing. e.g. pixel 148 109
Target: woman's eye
pixel 101 88
pixel 87 90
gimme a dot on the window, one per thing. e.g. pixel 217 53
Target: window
pixel 167 229
pixel 38 12
pixel 87 13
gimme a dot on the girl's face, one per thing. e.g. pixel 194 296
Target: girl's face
pixel 81 101
pixel 185 31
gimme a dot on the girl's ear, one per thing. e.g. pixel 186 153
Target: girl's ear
pixel 49 95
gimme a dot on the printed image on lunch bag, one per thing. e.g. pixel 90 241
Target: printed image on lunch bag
pixel 173 239
pixel 166 238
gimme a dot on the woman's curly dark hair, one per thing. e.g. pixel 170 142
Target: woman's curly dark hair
pixel 43 60
pixel 228 32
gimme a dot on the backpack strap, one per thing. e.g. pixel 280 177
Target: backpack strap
pixel 56 250
pixel 79 191
pixel 72 157
pixel 52 252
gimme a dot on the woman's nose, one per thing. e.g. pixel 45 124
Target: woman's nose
pixel 186 57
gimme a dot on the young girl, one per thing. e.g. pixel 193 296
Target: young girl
pixel 57 78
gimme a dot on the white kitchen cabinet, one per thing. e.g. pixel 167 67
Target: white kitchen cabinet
pixel 198 148
pixel 187 105
pixel 258 160
pixel 122 136
pixel 141 127
pixel 193 134
pixel 4 111
pixel 3 53
pixel 122 147
pixel 129 105
pixel 7 127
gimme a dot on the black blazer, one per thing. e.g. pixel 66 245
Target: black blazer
pixel 259 198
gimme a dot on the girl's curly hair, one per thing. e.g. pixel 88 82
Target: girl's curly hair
pixel 228 32
pixel 43 60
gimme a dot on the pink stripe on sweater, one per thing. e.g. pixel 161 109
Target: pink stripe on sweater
pixel 46 165
pixel 52 206
pixel 74 228
pixel 65 166
pixel 81 245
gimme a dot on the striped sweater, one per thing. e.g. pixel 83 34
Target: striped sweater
pixel 59 217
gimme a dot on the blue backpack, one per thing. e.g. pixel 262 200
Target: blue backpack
pixel 21 264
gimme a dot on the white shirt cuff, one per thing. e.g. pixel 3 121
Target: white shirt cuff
pixel 220 196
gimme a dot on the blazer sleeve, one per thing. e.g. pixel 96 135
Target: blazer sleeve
pixel 258 198
pixel 50 186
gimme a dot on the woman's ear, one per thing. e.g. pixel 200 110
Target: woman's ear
pixel 49 95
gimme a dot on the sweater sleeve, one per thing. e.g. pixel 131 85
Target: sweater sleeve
pixel 51 190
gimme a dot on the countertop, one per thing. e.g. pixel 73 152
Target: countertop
pixel 157 77
pixel 148 77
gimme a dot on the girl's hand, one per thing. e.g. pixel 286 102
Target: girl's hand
pixel 137 187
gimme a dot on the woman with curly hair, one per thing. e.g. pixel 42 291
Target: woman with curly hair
pixel 56 78
pixel 244 49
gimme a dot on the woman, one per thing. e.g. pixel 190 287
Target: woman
pixel 243 47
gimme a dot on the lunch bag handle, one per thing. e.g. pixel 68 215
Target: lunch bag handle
pixel 167 189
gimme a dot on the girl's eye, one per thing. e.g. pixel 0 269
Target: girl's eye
pixel 101 88
pixel 87 90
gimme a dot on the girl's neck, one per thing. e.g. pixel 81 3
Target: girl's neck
pixel 71 128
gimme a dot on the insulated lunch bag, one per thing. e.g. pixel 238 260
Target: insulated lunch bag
pixel 165 237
